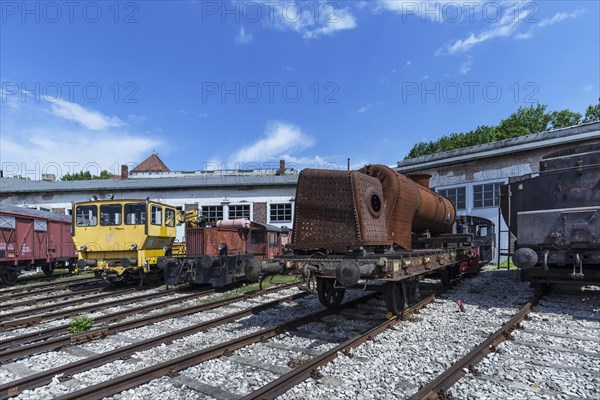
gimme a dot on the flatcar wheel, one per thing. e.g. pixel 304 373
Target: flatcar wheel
pixel 9 276
pixel 445 276
pixel 394 297
pixel 47 269
pixel 329 296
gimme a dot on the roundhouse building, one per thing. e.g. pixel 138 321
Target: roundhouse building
pixel 264 196
pixel 471 176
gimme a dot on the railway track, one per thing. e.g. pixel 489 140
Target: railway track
pixel 13 293
pixel 91 303
pixel 46 377
pixel 553 353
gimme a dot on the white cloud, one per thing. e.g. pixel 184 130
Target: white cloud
pixel 587 88
pixel 384 80
pixel 369 106
pixel 35 141
pixel 243 37
pixel 508 26
pixel 466 66
pixel 559 17
pixel 203 115
pixel 89 119
pixel 425 77
pixel 408 63
pixel 297 17
pixel 136 119
pixel 279 139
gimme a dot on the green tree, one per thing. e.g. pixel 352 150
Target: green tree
pixel 86 176
pixel 525 121
pixel 564 118
pixel 592 113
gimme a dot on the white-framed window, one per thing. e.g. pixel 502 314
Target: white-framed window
pixel 40 225
pixel 239 211
pixel 212 213
pixel 280 212
pixel 457 195
pixel 486 195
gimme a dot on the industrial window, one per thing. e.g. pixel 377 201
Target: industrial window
pixel 40 225
pixel 110 214
pixel 212 213
pixel 135 213
pixel 239 211
pixel 156 215
pixel 456 195
pixel 486 195
pixel 87 215
pixel 272 239
pixel 7 222
pixel 169 217
pixel 281 212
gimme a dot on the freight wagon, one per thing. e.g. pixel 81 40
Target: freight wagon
pixel 31 239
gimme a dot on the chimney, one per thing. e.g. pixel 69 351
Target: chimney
pixel 421 179
pixel 124 171
pixel 281 169
pixel 48 177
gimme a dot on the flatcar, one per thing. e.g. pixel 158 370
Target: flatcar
pixel 133 241
pixel 556 219
pixel 373 224
pixel 31 239
pixel 230 251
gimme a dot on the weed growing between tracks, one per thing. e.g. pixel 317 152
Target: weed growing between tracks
pixel 272 281
pixel 81 323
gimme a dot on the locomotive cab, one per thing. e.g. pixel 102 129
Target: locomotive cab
pixel 121 240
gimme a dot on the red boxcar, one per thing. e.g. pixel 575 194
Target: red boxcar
pixel 32 238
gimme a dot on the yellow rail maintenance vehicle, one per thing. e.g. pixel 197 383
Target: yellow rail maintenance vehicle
pixel 121 240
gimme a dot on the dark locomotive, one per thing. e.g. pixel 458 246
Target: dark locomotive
pixel 556 219
pixel 30 239
pixel 374 224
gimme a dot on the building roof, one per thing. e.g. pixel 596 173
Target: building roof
pixel 573 134
pixel 30 212
pixel 12 185
pixel 151 164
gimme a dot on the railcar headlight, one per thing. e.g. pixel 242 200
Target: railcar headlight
pixel 133 246
pixel 82 248
pixel 167 248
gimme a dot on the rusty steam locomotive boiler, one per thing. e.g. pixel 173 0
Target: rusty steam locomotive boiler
pixel 375 207
pixel 372 224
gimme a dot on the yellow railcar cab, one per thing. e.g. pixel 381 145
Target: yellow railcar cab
pixel 122 239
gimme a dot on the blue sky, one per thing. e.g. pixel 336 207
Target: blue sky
pixel 242 84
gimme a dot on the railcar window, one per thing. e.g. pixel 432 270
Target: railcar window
pixel 7 222
pixel 135 213
pixel 281 212
pixel 156 215
pixel 40 225
pixel 87 215
pixel 272 239
pixel 169 217
pixel 257 237
pixel 110 214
